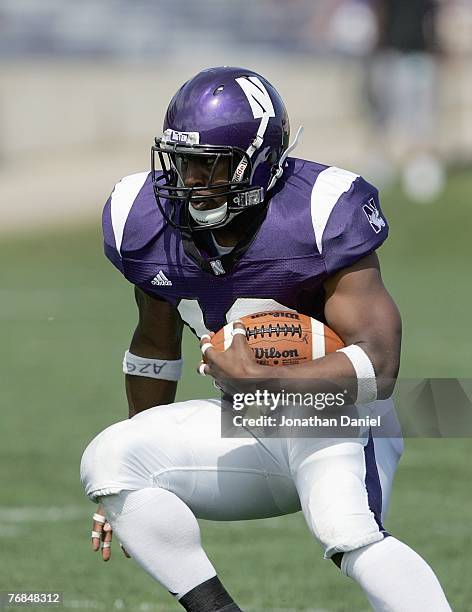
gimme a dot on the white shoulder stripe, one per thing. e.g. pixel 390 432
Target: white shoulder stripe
pixel 328 188
pixel 122 199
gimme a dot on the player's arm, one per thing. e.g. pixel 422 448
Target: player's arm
pixel 158 336
pixel 360 310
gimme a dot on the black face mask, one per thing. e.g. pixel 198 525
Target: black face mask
pixel 174 199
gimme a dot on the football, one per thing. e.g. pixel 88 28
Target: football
pixel 282 337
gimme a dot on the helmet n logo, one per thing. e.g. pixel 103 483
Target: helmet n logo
pixel 258 97
pixel 262 108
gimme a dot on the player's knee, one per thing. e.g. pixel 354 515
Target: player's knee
pixel 343 532
pixel 338 514
pixel 108 463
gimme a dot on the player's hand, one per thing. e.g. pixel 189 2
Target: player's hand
pixel 102 535
pixel 235 363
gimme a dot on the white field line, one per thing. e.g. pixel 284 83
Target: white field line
pixel 83 604
pixel 42 514
pixel 10 531
pixel 297 610
pixel 146 606
pixel 118 604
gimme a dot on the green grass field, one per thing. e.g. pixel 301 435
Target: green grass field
pixel 66 317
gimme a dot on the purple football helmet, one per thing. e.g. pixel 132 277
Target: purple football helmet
pixel 229 115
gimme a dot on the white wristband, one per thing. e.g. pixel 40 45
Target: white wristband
pixel 166 369
pixel 365 373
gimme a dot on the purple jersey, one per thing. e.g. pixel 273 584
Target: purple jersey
pixel 321 220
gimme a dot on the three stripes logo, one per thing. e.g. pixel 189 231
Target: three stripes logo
pixel 161 279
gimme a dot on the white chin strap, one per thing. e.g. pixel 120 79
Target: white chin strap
pixel 208 217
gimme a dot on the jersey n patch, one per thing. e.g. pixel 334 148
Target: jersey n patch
pixel 373 215
pixel 321 220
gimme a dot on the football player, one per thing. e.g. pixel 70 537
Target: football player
pixel 226 224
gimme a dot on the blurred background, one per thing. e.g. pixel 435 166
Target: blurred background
pixel 382 87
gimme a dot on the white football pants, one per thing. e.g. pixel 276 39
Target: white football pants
pixel 342 486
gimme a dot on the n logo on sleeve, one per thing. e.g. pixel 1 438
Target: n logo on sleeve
pixel 373 216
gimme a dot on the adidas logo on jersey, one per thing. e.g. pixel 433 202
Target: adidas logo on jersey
pixel 161 279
